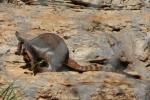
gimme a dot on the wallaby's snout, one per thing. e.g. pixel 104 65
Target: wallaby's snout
pixel 17 33
pixel 19 49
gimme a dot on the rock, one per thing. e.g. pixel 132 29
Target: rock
pixel 108 87
pixel 120 36
pixel 111 4
pixel 4 49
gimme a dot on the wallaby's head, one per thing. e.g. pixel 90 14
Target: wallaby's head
pixel 20 43
pixel 20 37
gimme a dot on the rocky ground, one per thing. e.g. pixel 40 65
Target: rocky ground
pixel 118 30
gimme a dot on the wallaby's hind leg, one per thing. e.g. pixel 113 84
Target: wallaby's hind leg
pixel 56 64
pixel 49 68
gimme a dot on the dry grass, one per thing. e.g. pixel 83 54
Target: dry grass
pixel 9 92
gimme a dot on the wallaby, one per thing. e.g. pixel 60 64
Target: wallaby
pixel 52 49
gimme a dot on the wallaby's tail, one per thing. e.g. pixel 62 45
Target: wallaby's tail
pixel 72 64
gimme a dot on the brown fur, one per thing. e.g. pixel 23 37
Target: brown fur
pixel 73 64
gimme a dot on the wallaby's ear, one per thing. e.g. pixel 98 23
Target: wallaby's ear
pixel 18 35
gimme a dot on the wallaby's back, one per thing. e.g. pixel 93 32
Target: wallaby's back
pixel 51 48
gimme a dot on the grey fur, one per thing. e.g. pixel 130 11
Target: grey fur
pixel 47 46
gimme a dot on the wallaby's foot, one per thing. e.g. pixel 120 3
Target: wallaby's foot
pixel 40 70
pixel 27 66
pixel 17 53
pixel 35 71
pixel 44 69
pixel 29 73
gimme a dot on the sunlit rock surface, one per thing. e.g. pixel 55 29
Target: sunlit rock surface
pixel 122 36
